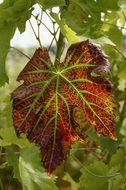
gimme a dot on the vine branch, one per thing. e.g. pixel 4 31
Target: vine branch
pixel 20 52
pixel 60 47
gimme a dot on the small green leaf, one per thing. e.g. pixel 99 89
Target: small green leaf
pixel 47 4
pixel 117 183
pixel 122 69
pixel 107 4
pixel 94 176
pixel 106 144
pixel 6 33
pixel 117 158
pixel 115 35
pixel 66 31
pixel 12 14
pixel 31 172
pixel 103 41
pixel 12 160
pixel 21 23
pixel 8 137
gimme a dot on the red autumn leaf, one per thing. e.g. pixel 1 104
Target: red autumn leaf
pixel 44 105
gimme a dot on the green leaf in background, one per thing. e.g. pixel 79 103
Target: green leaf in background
pixel 5 115
pixel 95 19
pixel 115 35
pixel 122 4
pixel 13 14
pixel 117 183
pixel 74 185
pixel 21 23
pixel 28 169
pixel 117 164
pixel 66 31
pixel 117 159
pixel 9 137
pixel 118 61
pixel 107 5
pixel 12 160
pixel 111 29
pixel 31 172
pixel 6 33
pixel 122 69
pixel 105 144
pixel 86 20
pixel 73 20
pixel 94 176
pixel 47 4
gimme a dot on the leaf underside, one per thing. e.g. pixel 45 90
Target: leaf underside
pixel 43 106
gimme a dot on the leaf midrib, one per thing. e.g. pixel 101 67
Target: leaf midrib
pixel 56 119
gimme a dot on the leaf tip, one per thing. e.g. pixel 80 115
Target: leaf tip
pixel 113 137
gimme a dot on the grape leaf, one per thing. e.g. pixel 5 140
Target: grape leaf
pixel 66 31
pixel 12 160
pixel 90 17
pixel 44 105
pixel 31 172
pixel 6 34
pixel 13 14
pixel 47 4
pixel 95 176
pixel 8 137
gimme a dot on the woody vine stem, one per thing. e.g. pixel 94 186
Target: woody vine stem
pixel 60 47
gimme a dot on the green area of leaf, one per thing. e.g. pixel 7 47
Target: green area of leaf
pixel 95 19
pixel 106 144
pixel 94 176
pixel 31 172
pixel 6 33
pixel 28 169
pixel 9 137
pixel 118 62
pixel 12 160
pixel 86 20
pixel 13 14
pixel 47 4
pixel 108 5
pixel 117 159
pixel 66 31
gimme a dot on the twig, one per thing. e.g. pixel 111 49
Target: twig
pixel 21 52
pixel 55 32
pixel 51 43
pixel 119 52
pixel 37 38
pixel 93 174
pixel 60 46
pixel 39 23
pixel 43 24
pixel 54 38
pixel 49 16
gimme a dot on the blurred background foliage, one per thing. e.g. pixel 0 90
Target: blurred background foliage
pixel 100 164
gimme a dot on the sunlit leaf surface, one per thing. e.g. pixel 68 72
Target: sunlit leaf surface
pixel 44 105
